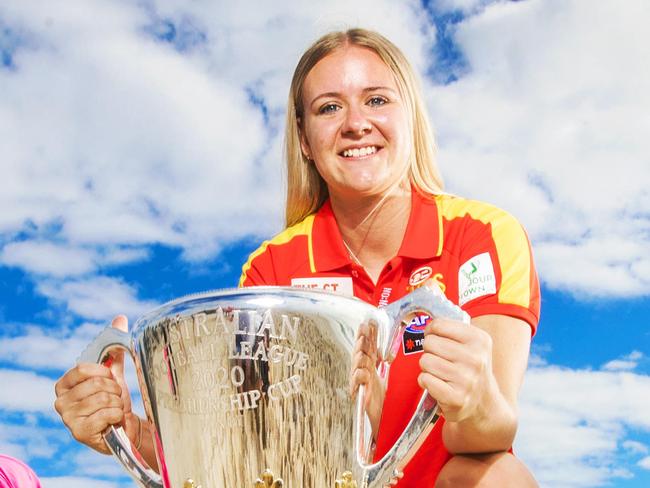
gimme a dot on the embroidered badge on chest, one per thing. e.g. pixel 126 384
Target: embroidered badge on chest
pixel 413 339
pixel 340 285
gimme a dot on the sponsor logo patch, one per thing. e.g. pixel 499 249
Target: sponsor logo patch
pixel 420 275
pixel 476 278
pixel 340 285
pixel 413 339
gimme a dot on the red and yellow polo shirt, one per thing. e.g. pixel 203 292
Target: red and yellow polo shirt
pixel 478 254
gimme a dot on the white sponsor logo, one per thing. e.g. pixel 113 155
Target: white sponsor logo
pixel 342 286
pixel 420 275
pixel 476 278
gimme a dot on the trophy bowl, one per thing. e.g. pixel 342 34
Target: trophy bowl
pixel 250 388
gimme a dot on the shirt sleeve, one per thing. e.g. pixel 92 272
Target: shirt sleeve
pixel 496 272
pixel 259 269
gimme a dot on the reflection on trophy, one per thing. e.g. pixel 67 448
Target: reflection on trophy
pixel 249 388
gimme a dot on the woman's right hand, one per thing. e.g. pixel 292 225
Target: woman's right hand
pixel 90 397
pixel 365 358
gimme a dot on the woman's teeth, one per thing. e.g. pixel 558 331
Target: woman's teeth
pixel 358 152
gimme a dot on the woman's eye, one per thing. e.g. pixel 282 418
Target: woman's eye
pixel 376 101
pixel 328 108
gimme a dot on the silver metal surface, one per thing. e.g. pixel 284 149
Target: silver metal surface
pixel 249 387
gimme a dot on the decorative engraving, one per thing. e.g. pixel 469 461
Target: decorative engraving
pixel 346 481
pixel 268 480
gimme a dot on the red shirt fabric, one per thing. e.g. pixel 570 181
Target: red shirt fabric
pixel 478 254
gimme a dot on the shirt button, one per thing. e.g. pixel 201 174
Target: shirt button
pixel 355 273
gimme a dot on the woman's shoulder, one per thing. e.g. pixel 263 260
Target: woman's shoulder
pixel 453 207
pixel 297 231
pixel 270 262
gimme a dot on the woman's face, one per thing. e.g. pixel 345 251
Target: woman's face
pixel 355 124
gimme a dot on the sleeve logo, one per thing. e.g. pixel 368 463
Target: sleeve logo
pixel 476 278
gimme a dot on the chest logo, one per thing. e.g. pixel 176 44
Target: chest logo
pixel 413 339
pixel 340 285
pixel 420 275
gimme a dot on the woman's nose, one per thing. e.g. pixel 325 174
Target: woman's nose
pixel 356 123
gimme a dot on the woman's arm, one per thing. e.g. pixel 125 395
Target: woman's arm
pixel 475 374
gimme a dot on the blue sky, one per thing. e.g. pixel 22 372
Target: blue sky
pixel 141 160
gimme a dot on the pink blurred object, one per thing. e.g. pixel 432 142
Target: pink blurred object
pixel 16 474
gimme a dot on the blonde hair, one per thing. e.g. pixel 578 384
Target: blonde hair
pixel 306 189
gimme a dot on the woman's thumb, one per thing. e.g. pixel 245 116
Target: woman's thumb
pixel 116 360
pixel 120 322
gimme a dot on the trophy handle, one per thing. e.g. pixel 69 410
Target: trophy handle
pixel 430 300
pixel 99 351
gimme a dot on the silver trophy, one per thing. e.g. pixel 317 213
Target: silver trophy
pixel 250 388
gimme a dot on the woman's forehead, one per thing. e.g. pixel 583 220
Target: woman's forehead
pixel 348 68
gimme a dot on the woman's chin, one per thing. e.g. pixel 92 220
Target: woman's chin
pixel 364 189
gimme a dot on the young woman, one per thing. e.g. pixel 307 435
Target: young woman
pixel 366 216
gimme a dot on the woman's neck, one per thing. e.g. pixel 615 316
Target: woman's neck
pixel 373 228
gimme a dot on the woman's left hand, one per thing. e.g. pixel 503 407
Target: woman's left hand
pixel 457 368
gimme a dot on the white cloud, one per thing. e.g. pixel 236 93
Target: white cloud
pixel 550 122
pixel 466 6
pixel 38 348
pixel 63 260
pixel 117 256
pixel 635 447
pixel 26 391
pixel 573 423
pixel 626 363
pixel 13 449
pixel 31 439
pixel 92 463
pixel 645 463
pixel 125 140
pixel 48 258
pixel 99 298
pixel 619 365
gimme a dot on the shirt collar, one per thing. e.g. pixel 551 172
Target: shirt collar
pixel 327 246
pixel 423 237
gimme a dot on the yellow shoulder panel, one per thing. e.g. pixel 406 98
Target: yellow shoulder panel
pixel 301 228
pixel 509 238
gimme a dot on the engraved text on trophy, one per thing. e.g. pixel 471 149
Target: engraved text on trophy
pixel 227 354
